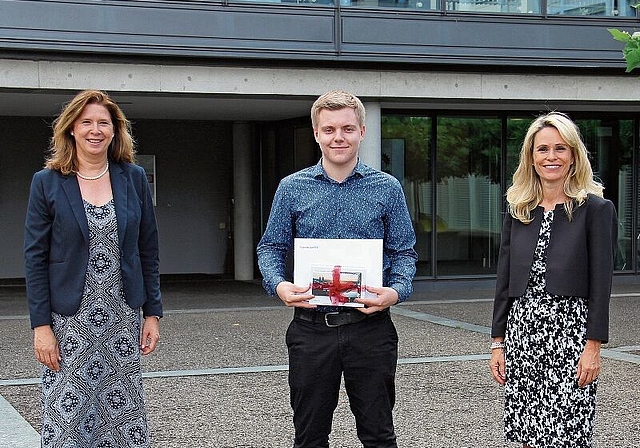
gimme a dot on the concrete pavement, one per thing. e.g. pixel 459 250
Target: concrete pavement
pixel 219 377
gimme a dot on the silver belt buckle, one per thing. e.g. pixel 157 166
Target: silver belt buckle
pixel 326 321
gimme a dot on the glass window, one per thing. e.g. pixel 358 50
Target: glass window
pixel 620 8
pixel 456 201
pixel 516 130
pixel 591 7
pixel 406 155
pixel 610 143
pixel 404 4
pixel 495 6
pixel 298 2
pixel 468 195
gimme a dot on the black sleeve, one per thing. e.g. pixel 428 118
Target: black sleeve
pixel 502 302
pixel 602 237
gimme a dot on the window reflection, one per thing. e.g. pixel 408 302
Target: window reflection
pixel 468 195
pixel 516 131
pixel 591 7
pixel 406 155
pixel 495 6
pixel 461 203
pixel 296 2
pixel 610 143
pixel 621 8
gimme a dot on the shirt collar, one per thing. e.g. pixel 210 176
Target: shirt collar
pixel 360 170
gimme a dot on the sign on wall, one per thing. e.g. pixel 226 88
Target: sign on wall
pixel 148 162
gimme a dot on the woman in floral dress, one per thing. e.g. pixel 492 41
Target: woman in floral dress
pixel 551 308
pixel 91 249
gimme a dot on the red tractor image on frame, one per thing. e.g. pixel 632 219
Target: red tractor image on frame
pixel 341 287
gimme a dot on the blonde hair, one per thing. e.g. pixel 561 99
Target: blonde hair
pixel 336 100
pixel 525 194
pixel 63 147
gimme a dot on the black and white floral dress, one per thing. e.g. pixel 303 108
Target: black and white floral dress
pixel 96 399
pixel 546 334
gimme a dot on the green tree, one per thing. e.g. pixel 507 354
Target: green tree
pixel 631 50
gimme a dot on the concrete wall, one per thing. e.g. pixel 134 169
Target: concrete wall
pixel 194 183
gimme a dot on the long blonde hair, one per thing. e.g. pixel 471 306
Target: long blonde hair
pixel 63 146
pixel 525 194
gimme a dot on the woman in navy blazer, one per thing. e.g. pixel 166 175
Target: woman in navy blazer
pixel 91 250
pixel 551 307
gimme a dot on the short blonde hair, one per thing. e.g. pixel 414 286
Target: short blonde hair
pixel 335 100
pixel 525 194
pixel 62 148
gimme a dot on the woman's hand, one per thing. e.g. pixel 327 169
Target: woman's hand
pixel 497 365
pixel 45 346
pixel 150 334
pixel 590 363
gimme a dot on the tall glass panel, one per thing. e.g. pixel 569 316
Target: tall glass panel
pixel 610 143
pixel 406 155
pixel 468 196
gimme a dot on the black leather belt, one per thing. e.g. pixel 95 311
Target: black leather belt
pixel 334 318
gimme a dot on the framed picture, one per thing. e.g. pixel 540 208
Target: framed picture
pixel 338 271
pixel 148 162
pixel 342 286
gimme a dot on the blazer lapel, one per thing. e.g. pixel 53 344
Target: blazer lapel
pixel 524 238
pixel 72 190
pixel 119 189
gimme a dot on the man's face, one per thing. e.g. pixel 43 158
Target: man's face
pixel 339 135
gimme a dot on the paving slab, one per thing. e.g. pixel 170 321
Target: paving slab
pixel 219 377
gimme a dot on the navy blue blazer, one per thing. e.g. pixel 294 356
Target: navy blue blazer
pixel 580 258
pixel 57 243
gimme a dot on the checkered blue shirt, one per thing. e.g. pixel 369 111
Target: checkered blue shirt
pixel 367 204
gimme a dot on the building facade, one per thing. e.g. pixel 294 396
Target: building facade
pixel 219 94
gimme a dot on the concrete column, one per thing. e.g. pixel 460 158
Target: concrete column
pixel 243 248
pixel 371 146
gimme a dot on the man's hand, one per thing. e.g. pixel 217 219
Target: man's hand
pixel 385 297
pixel 294 295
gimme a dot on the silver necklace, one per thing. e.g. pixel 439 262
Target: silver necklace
pixel 106 168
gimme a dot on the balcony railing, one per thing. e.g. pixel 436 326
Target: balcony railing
pixel 606 8
pixel 522 33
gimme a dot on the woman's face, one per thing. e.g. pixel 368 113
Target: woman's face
pixel 552 156
pixel 93 132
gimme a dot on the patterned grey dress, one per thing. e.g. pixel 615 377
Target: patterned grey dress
pixel 546 334
pixel 96 399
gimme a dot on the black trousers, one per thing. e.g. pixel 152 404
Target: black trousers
pixel 366 352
